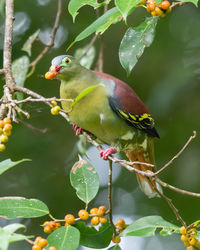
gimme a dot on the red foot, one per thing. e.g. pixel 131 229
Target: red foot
pixel 78 130
pixel 106 152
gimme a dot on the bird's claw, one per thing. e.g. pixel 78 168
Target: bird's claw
pixel 106 152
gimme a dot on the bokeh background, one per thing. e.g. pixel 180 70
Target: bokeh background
pixel 167 80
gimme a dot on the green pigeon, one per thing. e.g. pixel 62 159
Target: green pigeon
pixel 110 110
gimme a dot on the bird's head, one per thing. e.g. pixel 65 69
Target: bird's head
pixel 63 67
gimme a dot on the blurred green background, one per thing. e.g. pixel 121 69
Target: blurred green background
pixel 167 80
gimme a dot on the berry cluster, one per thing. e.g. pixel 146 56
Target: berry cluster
pixel 55 109
pixel 120 225
pixel 188 238
pixel 96 214
pixel 157 9
pixel 50 226
pixel 5 132
pixel 40 243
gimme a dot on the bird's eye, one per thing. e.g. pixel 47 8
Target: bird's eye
pixel 67 61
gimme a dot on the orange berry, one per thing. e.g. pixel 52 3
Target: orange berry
pixel 7 127
pixel 103 220
pixel 36 247
pixel 1 123
pixel 120 223
pixel 95 220
pixel 70 219
pixel 193 241
pixel 101 211
pixel 7 120
pixel 150 7
pixel 4 138
pixel 183 230
pixel 1 131
pixel 67 224
pixel 83 214
pixel 153 13
pixel 2 147
pixel 7 133
pixel 184 238
pixel 52 248
pixel 37 239
pixel 116 239
pixel 45 223
pixel 158 11
pixel 47 229
pixel 52 224
pixel 50 74
pixel 94 210
pixel 42 243
pixel 165 5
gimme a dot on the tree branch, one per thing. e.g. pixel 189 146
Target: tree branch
pixel 52 36
pixel 177 155
pixel 110 197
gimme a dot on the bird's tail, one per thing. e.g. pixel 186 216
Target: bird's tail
pixel 145 155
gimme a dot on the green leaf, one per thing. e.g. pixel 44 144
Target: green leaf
pixel 7 164
pixel 88 59
pixel 7 236
pixel 115 247
pixel 126 7
pixel 90 237
pixel 75 5
pixel 65 238
pixel 135 41
pixel 16 207
pixel 85 180
pixel 19 69
pixel 85 92
pixel 100 25
pixel 28 44
pixel 146 227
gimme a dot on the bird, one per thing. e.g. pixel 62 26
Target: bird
pixel 111 112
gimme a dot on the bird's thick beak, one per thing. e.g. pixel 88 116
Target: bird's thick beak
pixel 53 71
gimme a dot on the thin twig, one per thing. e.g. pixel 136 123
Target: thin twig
pixel 177 155
pixel 30 126
pixel 110 197
pixel 178 190
pixel 170 203
pixel 174 4
pixel 52 36
pixel 89 46
pixel 29 99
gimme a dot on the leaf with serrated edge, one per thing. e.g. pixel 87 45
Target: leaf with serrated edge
pixel 19 69
pixel 29 42
pixel 135 40
pixel 126 7
pixel 75 5
pixel 146 227
pixel 90 237
pixel 20 207
pixel 65 238
pixel 7 164
pixel 85 180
